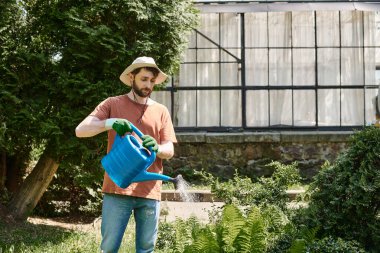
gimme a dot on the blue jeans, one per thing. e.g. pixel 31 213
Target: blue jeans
pixel 116 212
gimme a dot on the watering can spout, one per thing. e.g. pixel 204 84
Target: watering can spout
pixel 148 176
pixel 176 181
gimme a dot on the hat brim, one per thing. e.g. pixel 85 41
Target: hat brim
pixel 161 77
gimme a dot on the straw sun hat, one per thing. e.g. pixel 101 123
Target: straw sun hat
pixel 139 63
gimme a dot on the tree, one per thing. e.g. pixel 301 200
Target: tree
pixel 70 59
pixel 14 148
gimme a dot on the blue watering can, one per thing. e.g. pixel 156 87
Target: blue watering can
pixel 128 161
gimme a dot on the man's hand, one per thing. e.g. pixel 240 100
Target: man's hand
pixel 121 126
pixel 149 141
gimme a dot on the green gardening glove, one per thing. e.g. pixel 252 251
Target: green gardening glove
pixel 121 126
pixel 149 141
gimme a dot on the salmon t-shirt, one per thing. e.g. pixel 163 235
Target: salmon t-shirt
pixel 155 122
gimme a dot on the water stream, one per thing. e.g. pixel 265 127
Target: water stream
pixel 183 190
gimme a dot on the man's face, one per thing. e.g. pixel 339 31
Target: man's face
pixel 143 83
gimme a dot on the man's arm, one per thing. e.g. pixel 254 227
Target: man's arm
pixel 90 126
pixel 165 150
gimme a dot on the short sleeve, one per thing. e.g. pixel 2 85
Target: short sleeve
pixel 167 131
pixel 103 110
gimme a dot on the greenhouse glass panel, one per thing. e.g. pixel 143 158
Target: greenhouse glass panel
pixel 303 34
pixel 208 74
pixel 231 55
pixel 208 55
pixel 190 55
pixel 230 30
pixel 208 110
pixel 329 107
pixel 304 108
pixel 257 113
pixel 279 27
pixel 188 75
pixel 328 29
pixel 209 26
pixel 370 58
pixel 256 67
pixel 352 107
pixel 371 28
pixel 328 66
pixel 351 28
pixel 352 66
pixel 184 114
pixel 231 108
pixel 192 40
pixel 303 67
pixel 280 67
pixel 230 74
pixel 256 29
pixel 280 107
pixel 370 105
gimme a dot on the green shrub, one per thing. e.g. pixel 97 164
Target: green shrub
pixel 263 192
pixel 332 245
pixel 345 196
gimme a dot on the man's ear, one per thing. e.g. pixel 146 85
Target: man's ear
pixel 131 76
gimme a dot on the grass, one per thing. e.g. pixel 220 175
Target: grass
pixel 37 238
pixel 28 237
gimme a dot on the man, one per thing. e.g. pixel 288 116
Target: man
pixel 153 119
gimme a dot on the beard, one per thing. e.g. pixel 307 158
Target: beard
pixel 145 92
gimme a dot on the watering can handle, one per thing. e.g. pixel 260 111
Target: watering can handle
pixel 136 130
pixel 140 134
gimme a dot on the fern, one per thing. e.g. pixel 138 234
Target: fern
pixel 231 223
pixel 275 219
pixel 204 242
pixel 276 223
pixel 298 246
pixel 232 233
pixel 251 237
pixel 307 237
pixel 309 234
pixel 184 235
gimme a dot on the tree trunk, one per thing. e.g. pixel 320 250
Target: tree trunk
pixel 32 189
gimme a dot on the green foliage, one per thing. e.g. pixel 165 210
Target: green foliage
pixel 231 223
pixel 204 242
pixel 233 232
pixel 303 237
pixel 252 235
pixel 14 113
pixel 345 196
pixel 174 237
pixel 332 245
pixel 263 192
pixel 279 228
pixel 190 174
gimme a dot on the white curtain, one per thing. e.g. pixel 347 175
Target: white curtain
pixel 314 49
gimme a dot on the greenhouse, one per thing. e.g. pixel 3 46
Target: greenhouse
pixel 262 65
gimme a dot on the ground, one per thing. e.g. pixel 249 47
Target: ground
pixel 170 210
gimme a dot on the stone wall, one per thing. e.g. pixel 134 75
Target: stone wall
pixel 249 152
